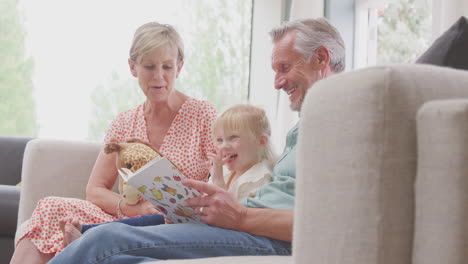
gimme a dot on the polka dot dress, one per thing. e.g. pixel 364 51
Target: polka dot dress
pixel 186 143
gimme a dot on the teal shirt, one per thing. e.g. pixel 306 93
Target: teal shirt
pixel 279 193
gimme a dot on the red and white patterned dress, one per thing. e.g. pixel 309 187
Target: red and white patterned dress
pixel 186 143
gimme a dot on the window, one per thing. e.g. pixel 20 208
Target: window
pixel 395 31
pixel 70 60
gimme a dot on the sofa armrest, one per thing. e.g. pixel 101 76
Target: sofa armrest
pixel 9 201
pixel 54 168
pixel 441 216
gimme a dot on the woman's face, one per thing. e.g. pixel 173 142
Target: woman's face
pixel 157 73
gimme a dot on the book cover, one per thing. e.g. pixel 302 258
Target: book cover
pixel 159 182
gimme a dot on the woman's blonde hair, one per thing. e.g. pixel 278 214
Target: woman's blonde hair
pixel 251 120
pixel 152 36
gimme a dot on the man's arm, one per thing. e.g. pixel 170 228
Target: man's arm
pixel 272 223
pixel 221 210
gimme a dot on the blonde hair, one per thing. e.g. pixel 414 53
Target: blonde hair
pixel 251 120
pixel 152 36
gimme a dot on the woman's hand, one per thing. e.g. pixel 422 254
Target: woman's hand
pixel 142 208
pixel 219 208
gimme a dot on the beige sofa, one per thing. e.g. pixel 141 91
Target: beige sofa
pixel 381 174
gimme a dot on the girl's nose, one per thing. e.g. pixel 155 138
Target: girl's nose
pixel 223 145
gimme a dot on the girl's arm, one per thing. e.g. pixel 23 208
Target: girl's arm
pixel 216 170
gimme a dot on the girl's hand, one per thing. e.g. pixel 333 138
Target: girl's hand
pixel 216 159
pixel 216 170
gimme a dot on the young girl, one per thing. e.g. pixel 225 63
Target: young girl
pixel 242 141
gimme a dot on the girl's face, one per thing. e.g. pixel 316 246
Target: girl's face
pixel 157 73
pixel 242 150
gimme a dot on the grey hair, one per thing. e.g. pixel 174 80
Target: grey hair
pixel 310 35
pixel 152 36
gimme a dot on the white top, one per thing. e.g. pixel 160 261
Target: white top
pixel 247 184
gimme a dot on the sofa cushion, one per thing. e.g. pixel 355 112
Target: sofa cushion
pixel 9 202
pixel 451 48
pixel 11 158
pixel 441 185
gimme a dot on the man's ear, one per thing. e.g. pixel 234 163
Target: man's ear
pixel 322 57
pixel 132 66
pixel 179 67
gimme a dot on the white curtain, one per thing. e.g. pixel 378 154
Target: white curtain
pixel 285 117
pixel 445 13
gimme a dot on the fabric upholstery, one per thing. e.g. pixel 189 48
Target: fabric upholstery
pixel 64 170
pixel 357 157
pixel 11 158
pixel 451 48
pixel 441 230
pixel 9 202
pixel 7 246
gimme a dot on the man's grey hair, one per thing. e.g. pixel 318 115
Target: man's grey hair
pixel 310 35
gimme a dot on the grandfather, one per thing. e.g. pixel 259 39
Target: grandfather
pixel 304 51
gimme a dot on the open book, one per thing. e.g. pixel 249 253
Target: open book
pixel 159 182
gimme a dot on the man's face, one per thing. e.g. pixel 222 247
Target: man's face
pixel 293 74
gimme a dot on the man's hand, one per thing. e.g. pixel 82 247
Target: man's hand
pixel 219 208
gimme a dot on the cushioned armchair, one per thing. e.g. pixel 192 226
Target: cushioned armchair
pixel 380 171
pixel 11 158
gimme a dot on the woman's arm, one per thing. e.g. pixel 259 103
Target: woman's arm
pixel 99 189
pixel 101 181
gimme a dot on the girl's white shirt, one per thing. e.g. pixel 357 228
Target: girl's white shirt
pixel 247 184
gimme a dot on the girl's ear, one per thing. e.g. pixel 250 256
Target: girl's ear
pixel 263 140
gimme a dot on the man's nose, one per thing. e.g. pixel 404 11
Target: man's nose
pixel 279 82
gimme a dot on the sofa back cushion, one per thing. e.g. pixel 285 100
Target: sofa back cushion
pixel 11 158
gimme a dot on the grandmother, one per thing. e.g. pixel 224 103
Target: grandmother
pixel 175 124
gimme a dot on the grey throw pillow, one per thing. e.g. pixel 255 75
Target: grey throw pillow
pixel 451 48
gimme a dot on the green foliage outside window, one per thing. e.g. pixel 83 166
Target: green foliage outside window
pixel 17 107
pixel 216 65
pixel 404 31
